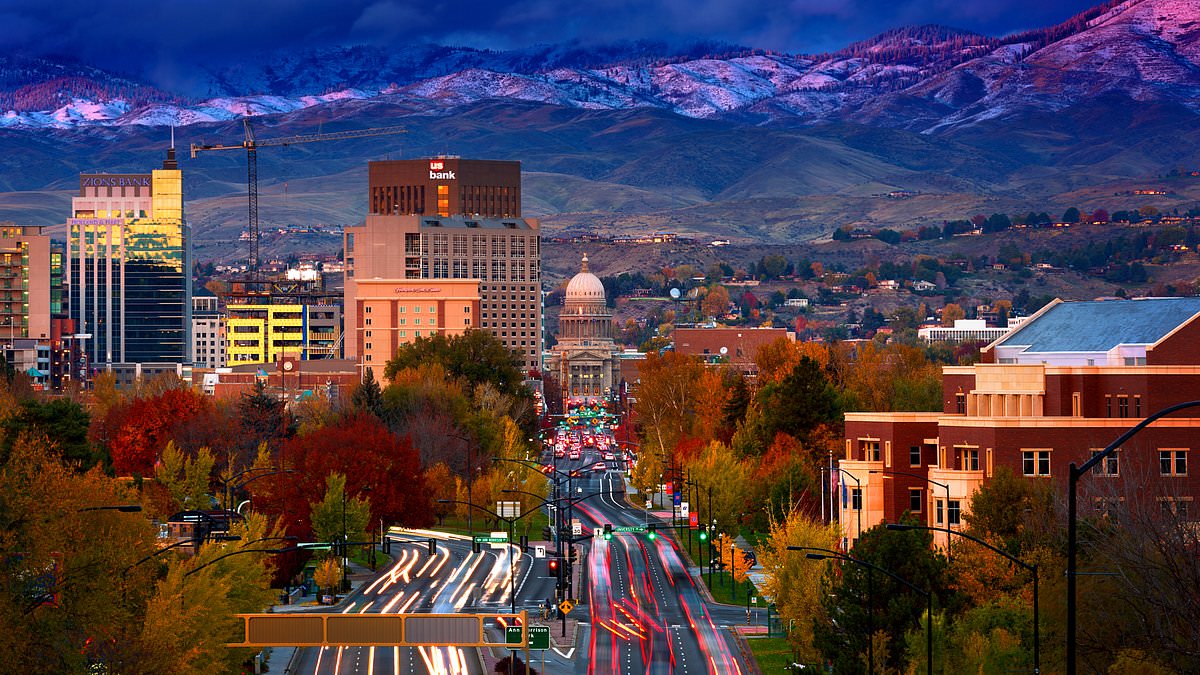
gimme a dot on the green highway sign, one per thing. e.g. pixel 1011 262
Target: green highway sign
pixel 624 528
pixel 539 637
pixel 491 540
pixel 512 635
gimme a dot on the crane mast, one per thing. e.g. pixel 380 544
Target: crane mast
pixel 251 145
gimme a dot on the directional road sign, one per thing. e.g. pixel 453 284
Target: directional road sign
pixel 539 637
pixel 539 551
pixel 630 528
pixel 512 635
pixel 566 606
pixel 491 540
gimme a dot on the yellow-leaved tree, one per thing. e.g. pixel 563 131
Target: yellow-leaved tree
pixel 792 581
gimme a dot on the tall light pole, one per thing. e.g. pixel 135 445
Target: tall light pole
pixel 1072 514
pixel 1032 569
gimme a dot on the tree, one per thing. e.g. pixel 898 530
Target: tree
pixel 476 356
pixel 951 313
pixel 328 574
pixel 719 473
pixel 147 424
pixel 63 421
pixel 368 396
pixel 897 609
pixel 186 479
pixel 715 302
pixel 666 400
pixel 1071 215
pixel 790 577
pixel 262 418
pixel 338 514
pixel 800 403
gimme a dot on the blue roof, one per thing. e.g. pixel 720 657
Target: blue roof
pixel 1102 325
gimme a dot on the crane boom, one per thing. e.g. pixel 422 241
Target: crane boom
pixel 251 145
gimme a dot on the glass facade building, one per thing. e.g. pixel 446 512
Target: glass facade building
pixel 128 265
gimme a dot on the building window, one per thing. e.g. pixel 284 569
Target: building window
pixel 1107 405
pixel 1137 406
pixel 915 500
pixel 366 322
pixel 938 511
pixel 367 309
pixel 953 512
pixel 1036 462
pixel 960 403
pixel 856 499
pixel 1174 506
pixel 1110 508
pixel 1172 462
pixel 1123 405
pixel 1109 466
pixel 968 459
pixel 870 450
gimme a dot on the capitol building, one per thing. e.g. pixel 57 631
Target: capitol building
pixel 585 359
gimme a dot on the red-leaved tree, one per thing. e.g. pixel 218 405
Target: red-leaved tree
pixel 141 429
pixel 378 465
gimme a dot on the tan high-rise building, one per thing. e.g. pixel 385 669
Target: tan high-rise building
pixel 398 311
pixel 473 231
pixel 24 283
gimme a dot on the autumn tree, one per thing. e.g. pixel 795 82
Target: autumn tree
pixel 666 400
pixel 951 313
pixel 186 478
pixel 64 421
pixel 715 302
pixel 147 424
pixel 476 356
pixel 720 475
pixel 790 577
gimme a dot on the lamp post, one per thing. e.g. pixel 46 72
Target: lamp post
pixel 945 486
pixel 1032 569
pixel 824 554
pixel 1072 514
pixel 861 497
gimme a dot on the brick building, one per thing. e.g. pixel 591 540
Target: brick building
pixel 1059 388
pixel 735 346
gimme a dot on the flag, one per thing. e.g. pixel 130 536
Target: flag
pixel 845 498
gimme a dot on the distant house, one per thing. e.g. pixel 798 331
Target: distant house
pixel 796 302
pixel 922 285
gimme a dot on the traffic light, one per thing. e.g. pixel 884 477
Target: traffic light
pixel 703 535
pixel 433 547
pixel 554 567
pixel 387 545
pixel 650 533
pixel 607 531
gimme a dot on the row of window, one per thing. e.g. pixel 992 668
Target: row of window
pixel 1035 462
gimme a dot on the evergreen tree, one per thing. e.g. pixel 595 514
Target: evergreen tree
pixel 368 396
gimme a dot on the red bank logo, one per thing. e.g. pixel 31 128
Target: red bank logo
pixel 436 165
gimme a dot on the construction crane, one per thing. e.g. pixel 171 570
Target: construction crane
pixel 251 146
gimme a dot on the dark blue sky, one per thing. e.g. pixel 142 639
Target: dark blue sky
pixel 149 36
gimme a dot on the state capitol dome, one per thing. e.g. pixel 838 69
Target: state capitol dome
pixel 584 287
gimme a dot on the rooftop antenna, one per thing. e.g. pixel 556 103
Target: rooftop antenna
pixel 172 136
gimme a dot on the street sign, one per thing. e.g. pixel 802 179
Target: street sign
pixel 481 539
pixel 566 606
pixel 693 520
pixel 539 637
pixel 576 527
pixel 512 635
pixel 629 528
pixel 539 551
pixel 685 508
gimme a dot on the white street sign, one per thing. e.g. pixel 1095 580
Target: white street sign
pixel 539 551
pixel 576 527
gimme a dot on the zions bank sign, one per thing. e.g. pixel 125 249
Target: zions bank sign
pixel 437 170
pixel 114 180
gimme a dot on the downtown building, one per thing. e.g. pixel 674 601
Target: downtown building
pixel 442 234
pixel 586 359
pixel 1054 391
pixel 128 268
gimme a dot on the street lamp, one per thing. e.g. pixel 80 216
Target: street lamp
pixel 1032 569
pixel 225 483
pixel 1072 514
pixel 825 554
pixel 861 496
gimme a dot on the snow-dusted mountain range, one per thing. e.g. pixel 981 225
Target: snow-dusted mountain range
pixel 926 79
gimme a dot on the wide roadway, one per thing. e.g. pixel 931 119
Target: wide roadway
pixel 646 612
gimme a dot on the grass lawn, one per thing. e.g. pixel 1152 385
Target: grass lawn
pixel 771 654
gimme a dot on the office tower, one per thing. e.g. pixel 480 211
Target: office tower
pixel 129 267
pixel 454 219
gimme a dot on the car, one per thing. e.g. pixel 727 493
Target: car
pixel 608 456
pixel 576 454
pixel 560 453
pixel 599 466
